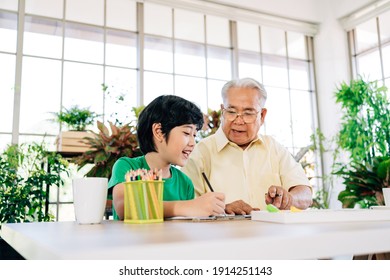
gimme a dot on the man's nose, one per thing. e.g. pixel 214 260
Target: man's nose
pixel 239 119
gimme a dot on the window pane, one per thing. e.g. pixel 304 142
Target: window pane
pixel 299 74
pixel 121 95
pixel 156 85
pixel 249 65
pixel 192 89
pixel 76 11
pixel 218 31
pixel 84 43
pixel 273 41
pixel 7 74
pixel 81 89
pixel 302 120
pixel 296 45
pixel 384 25
pixel 8 26
pixel 5 140
pixel 248 37
pixel 47 141
pixel 157 20
pixel 386 61
pixel 52 8
pixel 11 5
pixel 41 80
pixel 219 63
pixel 121 48
pixel 369 66
pixel 366 35
pixel 190 59
pixel 66 212
pixel 277 121
pixel 189 26
pixel 122 14
pixel 42 37
pixel 158 54
pixel 214 94
pixel 275 71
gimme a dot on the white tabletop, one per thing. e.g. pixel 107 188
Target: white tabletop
pixel 220 240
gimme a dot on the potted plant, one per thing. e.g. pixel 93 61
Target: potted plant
pixel 77 120
pixel 108 145
pixel 365 137
pixel 24 179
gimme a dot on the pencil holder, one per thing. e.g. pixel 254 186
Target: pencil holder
pixel 143 202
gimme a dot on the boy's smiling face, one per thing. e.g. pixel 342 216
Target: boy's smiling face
pixel 179 145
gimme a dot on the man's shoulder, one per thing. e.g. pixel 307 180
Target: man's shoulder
pixel 267 139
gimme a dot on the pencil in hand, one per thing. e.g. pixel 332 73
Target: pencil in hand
pixel 207 182
pixel 210 187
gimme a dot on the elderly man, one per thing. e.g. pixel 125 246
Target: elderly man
pixel 251 169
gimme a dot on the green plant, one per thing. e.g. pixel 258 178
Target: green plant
pixel 107 147
pixel 363 184
pixel 365 137
pixel 76 118
pixel 24 179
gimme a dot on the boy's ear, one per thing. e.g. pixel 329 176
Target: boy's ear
pixel 157 132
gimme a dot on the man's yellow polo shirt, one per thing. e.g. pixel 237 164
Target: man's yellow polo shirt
pixel 243 174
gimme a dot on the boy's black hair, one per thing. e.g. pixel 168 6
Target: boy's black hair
pixel 170 111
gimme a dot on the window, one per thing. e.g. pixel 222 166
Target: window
pixel 370 49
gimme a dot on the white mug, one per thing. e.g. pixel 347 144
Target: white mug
pixel 89 199
pixel 386 196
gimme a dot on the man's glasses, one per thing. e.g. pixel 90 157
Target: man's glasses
pixel 248 116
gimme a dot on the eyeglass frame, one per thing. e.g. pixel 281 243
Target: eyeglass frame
pixel 243 115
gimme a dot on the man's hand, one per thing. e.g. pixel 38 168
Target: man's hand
pixel 239 207
pixel 279 197
pixel 299 196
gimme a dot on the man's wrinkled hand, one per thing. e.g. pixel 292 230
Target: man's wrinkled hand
pixel 239 207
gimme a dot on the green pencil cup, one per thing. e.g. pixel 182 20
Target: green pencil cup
pixel 143 202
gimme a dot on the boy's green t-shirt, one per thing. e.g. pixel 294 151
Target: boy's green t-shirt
pixel 178 187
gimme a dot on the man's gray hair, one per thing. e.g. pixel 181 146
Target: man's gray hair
pixel 245 83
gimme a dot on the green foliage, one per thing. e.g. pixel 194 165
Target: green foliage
pixel 365 136
pixel 365 126
pixel 76 118
pixel 23 182
pixel 363 185
pixel 107 148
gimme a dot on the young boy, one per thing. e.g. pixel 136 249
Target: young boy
pixel 166 133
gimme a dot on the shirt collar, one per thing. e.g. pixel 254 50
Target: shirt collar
pixel 222 140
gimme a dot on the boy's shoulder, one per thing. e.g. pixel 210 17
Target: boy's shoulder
pixel 135 161
pixel 179 174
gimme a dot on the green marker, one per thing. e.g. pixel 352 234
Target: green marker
pixel 272 208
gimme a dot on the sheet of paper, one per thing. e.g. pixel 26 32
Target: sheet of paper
pixel 209 218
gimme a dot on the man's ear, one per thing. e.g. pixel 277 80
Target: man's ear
pixel 157 132
pixel 263 114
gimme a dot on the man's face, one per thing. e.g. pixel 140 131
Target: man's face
pixel 243 128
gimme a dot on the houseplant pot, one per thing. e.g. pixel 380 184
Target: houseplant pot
pixel 76 120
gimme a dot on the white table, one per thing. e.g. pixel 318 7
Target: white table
pixel 219 240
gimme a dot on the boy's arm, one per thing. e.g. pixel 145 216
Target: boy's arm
pixel 205 205
pixel 118 200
